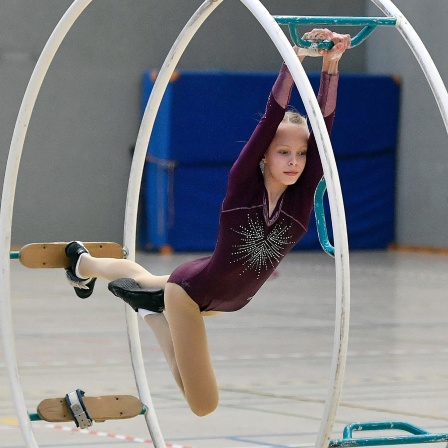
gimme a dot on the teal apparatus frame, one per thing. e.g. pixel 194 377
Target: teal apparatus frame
pixel 321 222
pixel 417 435
pixel 369 25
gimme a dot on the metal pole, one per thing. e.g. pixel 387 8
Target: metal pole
pixel 135 177
pixel 340 341
pixel 6 211
pixel 323 141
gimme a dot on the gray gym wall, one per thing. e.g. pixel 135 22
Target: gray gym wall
pixel 422 177
pixel 76 159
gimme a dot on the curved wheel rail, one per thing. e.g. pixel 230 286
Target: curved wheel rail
pixel 330 172
pixel 6 213
pixel 421 54
pixel 336 206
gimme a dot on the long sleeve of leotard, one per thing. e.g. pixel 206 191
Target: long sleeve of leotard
pixel 246 168
pixel 327 101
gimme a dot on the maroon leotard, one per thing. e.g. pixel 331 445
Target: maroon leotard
pixel 251 243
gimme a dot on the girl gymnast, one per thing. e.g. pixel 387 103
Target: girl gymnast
pixel 265 212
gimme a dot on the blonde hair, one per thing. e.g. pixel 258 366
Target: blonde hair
pixel 292 116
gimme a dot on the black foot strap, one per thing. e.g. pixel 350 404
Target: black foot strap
pixel 79 412
pixel 137 297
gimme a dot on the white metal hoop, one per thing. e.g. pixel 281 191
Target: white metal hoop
pixel 330 171
pixel 6 212
pixel 325 151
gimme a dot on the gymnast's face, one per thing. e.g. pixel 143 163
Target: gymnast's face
pixel 285 158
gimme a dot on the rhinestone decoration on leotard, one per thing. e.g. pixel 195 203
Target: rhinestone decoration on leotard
pixel 258 251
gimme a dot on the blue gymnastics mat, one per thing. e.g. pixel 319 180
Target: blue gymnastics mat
pixel 203 122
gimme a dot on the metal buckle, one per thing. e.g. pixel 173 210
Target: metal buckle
pixel 79 412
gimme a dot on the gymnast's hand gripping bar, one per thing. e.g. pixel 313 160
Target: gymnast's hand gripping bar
pixel 369 25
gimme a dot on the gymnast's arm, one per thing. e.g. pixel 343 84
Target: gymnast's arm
pixel 245 172
pixel 326 97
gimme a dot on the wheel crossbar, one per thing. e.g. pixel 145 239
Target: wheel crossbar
pixel 369 25
pixel 417 435
pixel 35 417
